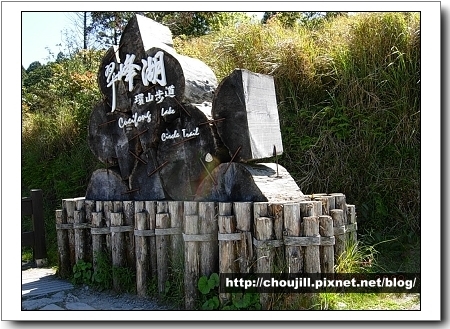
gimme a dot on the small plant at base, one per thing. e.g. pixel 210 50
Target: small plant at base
pixel 241 301
pixel 82 272
pixel 125 277
pixel 102 276
pixel 208 288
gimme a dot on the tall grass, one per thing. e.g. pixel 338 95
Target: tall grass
pixel 55 154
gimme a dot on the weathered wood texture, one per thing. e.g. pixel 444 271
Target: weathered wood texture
pixel 311 229
pixel 292 224
pixel 162 248
pixel 264 253
pixel 326 252
pixel 106 184
pixel 110 142
pixel 117 247
pixel 142 33
pixel 247 103
pixel 64 268
pixel 187 152
pixel 239 237
pixel 227 244
pixel 191 258
pixel 209 247
pixel 142 253
pixel 338 224
pixel 239 182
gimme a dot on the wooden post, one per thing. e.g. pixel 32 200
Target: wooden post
pixel 326 252
pixel 238 99
pixel 128 211
pixel 162 245
pixel 328 203
pixel 292 221
pixel 276 212
pixel 117 247
pixel 338 224
pixel 351 218
pixel 312 257
pixel 79 236
pixel 244 218
pixel 107 207
pixel 142 259
pixel 39 248
pixel 264 254
pixel 150 207
pixel 79 227
pixel 176 240
pixel 64 268
pixel 227 248
pixel 209 248
pixel 191 259
pixel 89 208
pixel 340 201
pixel 68 210
pixel 98 238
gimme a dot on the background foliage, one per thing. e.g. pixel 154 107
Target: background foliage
pixel 348 91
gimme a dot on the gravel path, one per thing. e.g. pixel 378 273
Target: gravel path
pixel 42 290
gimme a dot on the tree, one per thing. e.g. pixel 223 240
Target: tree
pixel 108 26
pixel 306 18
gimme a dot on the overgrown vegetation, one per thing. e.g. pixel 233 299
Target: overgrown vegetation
pixel 348 91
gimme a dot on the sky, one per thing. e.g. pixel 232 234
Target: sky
pixel 44 31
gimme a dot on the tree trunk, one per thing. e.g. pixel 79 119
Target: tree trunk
pixel 187 153
pixel 246 104
pixel 106 184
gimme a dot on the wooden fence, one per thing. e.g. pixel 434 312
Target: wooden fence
pixel 33 206
pixel 210 237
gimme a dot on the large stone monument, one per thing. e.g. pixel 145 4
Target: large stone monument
pixel 166 130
